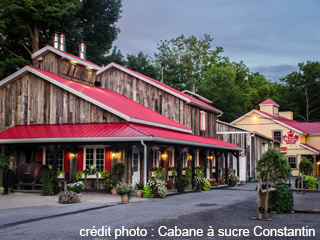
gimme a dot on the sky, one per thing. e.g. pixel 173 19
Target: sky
pixel 269 36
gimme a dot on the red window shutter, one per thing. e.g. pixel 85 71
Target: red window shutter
pixel 174 158
pixel 40 155
pixel 150 161
pixel 80 159
pixel 66 159
pixel 107 159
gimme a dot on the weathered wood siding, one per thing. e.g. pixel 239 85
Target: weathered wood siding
pixel 259 144
pixel 157 100
pixel 64 68
pixel 32 100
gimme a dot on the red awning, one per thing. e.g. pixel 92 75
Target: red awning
pixel 107 132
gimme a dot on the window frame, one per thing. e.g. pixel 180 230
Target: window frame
pixel 85 166
pixel 295 157
pixel 281 135
pixel 202 121
pixel 61 160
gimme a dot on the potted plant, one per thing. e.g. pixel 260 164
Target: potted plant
pixel 172 171
pixel 111 185
pixel 50 182
pixel 158 187
pixel 233 180
pixel 198 182
pixel 139 186
pixel 76 187
pixel 181 184
pixel 118 168
pixel 153 172
pixel 126 192
pixel 186 172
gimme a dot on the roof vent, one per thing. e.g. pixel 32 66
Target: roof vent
pixel 56 40
pixel 97 84
pixel 82 50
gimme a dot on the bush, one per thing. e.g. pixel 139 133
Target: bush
pixel 305 166
pixel 75 187
pixel 181 184
pixel 79 175
pixel 308 182
pixel 206 185
pixel 50 182
pixel 281 200
pixel 68 197
pixel 112 183
pixel 4 161
pixel 118 168
pixel 147 192
pixel 159 186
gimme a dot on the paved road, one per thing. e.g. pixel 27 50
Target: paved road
pixel 220 208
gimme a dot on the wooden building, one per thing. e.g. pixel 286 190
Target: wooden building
pixel 70 113
pixel 253 143
pixel 298 139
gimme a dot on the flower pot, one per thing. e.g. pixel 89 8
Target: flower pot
pixel 232 183
pixel 139 193
pixel 113 191
pixel 79 196
pixel 200 186
pixel 169 184
pixel 125 198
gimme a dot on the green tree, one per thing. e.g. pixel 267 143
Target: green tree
pixel 186 59
pixel 304 88
pixel 142 63
pixel 27 25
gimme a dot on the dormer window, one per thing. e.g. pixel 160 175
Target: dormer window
pixel 203 121
pixel 275 110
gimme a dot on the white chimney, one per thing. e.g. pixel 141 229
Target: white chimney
pixel 56 40
pixel 62 45
pixel 82 50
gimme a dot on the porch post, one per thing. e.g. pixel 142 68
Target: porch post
pixel 226 166
pixel 238 167
pixel 178 155
pixel 217 165
pixel 193 163
pixel 314 166
pixel 146 159
pixel 205 162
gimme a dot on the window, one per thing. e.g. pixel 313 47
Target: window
pixel 48 159
pixel 95 157
pixel 155 157
pixel 292 160
pixel 135 162
pixel 275 110
pixel 277 135
pixel 203 121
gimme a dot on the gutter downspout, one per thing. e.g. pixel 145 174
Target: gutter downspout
pixel 250 157
pixel 145 161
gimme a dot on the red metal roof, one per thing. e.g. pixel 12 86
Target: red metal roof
pixel 308 127
pixel 116 101
pixel 105 132
pixel 269 102
pixel 192 99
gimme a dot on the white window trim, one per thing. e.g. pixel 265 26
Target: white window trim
pixel 203 121
pixel 94 158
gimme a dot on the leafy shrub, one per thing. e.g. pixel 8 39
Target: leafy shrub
pixel 206 185
pixel 233 178
pixel 281 200
pixel 112 183
pixel 1 190
pixel 174 171
pixel 68 197
pixel 50 182
pixel 79 175
pixel 305 166
pixel 125 190
pixel 118 168
pixel 139 185
pixel 104 174
pixel 188 172
pixel 4 161
pixel 181 184
pixel 75 187
pixel 198 180
pixel 147 192
pixel 308 182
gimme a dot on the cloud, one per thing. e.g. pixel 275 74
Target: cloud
pixel 274 73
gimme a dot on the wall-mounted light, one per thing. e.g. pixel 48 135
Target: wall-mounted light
pixel 113 154
pixel 72 155
pixel 254 118
pixel 164 155
pixel 73 62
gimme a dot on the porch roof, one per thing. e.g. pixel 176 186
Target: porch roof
pixel 312 149
pixel 107 132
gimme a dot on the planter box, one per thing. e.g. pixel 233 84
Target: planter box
pixel 170 173
pixel 213 171
pixel 183 172
pixel 153 174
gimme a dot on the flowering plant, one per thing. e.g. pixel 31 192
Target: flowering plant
pixel 68 197
pixel 159 186
pixel 92 170
pixel 233 178
pixel 75 187
pixel 125 190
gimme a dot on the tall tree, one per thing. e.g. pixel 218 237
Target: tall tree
pixel 142 63
pixel 27 25
pixel 186 58
pixel 304 87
